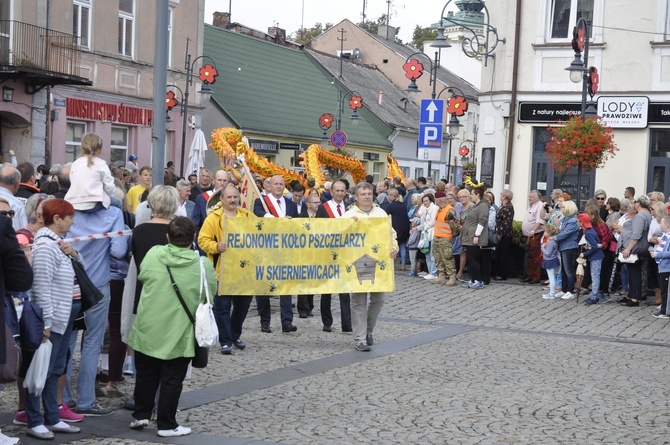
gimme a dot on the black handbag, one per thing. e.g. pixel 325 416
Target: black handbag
pixel 201 353
pixel 90 294
pixel 9 371
pixel 31 326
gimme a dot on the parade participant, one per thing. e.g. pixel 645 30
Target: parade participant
pixel 162 356
pixel 211 241
pixel 200 209
pixel 204 184
pixel 533 228
pixel 52 291
pixel 10 179
pixel 306 302
pixel 335 208
pixel 278 206
pixel 298 197
pixel 134 193
pixel 446 223
pixel 16 275
pixel 363 315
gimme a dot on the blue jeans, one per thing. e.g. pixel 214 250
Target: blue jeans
pixel 430 261
pixel 403 253
pixel 94 335
pixel 553 274
pixel 230 324
pixel 57 364
pixel 595 266
pixel 569 267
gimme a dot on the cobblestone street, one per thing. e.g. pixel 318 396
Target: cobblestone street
pixel 449 366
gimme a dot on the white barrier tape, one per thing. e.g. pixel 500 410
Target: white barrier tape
pixel 88 237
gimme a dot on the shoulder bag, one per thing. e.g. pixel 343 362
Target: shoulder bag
pixel 201 353
pixel 31 326
pixel 9 371
pixel 90 294
pixel 206 331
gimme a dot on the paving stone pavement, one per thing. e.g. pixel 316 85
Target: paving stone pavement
pixel 449 366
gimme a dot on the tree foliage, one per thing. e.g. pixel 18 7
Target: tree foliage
pixel 305 35
pixel 422 35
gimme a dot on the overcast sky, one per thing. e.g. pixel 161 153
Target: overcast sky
pixel 288 14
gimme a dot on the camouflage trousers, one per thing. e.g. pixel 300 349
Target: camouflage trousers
pixel 444 259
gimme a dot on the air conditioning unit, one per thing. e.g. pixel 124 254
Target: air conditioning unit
pixel 370 156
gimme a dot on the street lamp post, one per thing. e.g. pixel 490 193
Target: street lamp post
pixel 579 70
pixel 456 106
pixel 326 120
pixel 207 75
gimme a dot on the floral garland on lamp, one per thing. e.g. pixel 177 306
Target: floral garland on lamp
pixel 588 142
pixel 468 171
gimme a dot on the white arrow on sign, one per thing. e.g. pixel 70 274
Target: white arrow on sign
pixel 431 109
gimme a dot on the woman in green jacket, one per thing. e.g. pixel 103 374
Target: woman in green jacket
pixel 162 335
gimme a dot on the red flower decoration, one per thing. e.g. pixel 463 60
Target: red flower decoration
pixel 594 79
pixel 170 101
pixel 581 39
pixel 463 151
pixel 457 105
pixel 413 69
pixel 589 142
pixel 355 102
pixel 326 120
pixel 208 74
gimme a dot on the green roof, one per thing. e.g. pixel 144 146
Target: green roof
pixel 272 89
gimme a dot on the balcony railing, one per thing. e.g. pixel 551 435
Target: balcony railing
pixel 31 47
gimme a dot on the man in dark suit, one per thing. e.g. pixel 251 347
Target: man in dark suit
pixel 15 275
pixel 298 197
pixel 306 302
pixel 276 206
pixel 335 209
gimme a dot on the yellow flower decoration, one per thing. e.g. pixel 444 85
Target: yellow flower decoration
pixel 471 183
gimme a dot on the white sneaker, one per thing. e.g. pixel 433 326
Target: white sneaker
pixel 567 296
pixel 559 294
pixel 429 277
pixel 422 274
pixel 179 431
pixel 549 296
pixel 6 440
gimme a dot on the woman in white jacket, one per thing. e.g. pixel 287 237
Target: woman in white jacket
pixel 426 227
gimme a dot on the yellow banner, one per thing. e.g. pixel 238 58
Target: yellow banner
pixel 279 256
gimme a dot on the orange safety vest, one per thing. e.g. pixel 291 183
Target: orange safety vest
pixel 442 228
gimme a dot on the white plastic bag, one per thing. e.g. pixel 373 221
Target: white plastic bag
pixel 36 376
pixel 206 332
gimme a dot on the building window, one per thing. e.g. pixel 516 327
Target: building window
pixel 119 145
pixel 564 16
pixel 405 171
pixel 377 168
pixel 418 173
pixel 81 23
pixel 126 24
pixel 658 174
pixel 74 131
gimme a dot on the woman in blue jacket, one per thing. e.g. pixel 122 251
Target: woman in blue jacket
pixel 568 239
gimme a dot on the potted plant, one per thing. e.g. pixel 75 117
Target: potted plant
pixel 469 170
pixel 588 142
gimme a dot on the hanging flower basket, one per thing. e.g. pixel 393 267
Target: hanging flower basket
pixel 589 142
pixel 469 169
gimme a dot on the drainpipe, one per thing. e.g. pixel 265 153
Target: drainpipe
pixel 48 123
pixel 515 75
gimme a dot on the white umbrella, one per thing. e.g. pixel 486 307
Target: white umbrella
pixel 196 156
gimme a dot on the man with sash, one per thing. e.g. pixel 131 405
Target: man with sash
pixel 335 209
pixel 445 219
pixel 212 243
pixel 276 206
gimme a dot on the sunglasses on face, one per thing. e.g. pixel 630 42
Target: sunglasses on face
pixel 600 198
pixel 9 213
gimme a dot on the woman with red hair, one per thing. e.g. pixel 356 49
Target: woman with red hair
pixel 53 291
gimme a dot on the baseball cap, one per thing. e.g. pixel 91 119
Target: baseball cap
pixel 132 158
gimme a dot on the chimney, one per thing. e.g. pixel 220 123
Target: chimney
pixel 279 35
pixel 387 32
pixel 221 20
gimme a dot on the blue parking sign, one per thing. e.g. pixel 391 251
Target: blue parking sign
pixel 430 135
